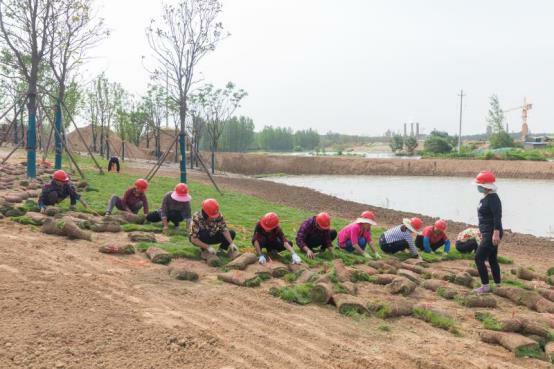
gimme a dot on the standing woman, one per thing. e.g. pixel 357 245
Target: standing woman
pixel 490 226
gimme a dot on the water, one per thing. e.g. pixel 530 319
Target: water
pixel 527 204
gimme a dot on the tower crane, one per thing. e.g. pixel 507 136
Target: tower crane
pixel 524 111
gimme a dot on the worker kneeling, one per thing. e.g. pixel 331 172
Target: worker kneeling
pixel 133 200
pixel 468 240
pixel 58 190
pixel 269 235
pixel 356 236
pixel 434 237
pixel 315 234
pixel 175 208
pixel 209 228
pixel 400 238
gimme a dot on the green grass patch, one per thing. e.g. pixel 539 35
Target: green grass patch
pixel 534 352
pixel 24 219
pixel 29 205
pixel 550 271
pixel 515 283
pixel 359 276
pixel 504 260
pixel 384 328
pixel 290 277
pixel 154 228
pixel 488 320
pixel 299 294
pixel 436 320
pixel 352 312
pixel 253 282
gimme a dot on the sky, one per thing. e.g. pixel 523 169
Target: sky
pixel 361 66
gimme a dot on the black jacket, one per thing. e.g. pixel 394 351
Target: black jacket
pixel 490 214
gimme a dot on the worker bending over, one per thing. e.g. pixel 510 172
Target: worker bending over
pixel 434 237
pixel 468 240
pixel 133 200
pixel 209 228
pixel 400 238
pixel 315 234
pixel 356 236
pixel 175 208
pixel 58 190
pixel 269 235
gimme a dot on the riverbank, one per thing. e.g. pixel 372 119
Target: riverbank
pixel 257 164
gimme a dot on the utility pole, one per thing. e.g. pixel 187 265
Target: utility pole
pixel 461 109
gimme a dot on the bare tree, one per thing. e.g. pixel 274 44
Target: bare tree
pixel 156 108
pixel 218 105
pixel 73 31
pixel 183 35
pixel 24 30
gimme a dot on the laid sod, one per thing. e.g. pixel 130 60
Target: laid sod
pixel 299 294
pixel 488 320
pixel 436 319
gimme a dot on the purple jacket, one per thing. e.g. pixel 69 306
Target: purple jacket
pixel 308 228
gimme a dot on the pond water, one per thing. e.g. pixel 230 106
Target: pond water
pixel 527 204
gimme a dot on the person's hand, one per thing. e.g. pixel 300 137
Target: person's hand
pixel 234 247
pixel 296 259
pixel 496 238
pixel 42 210
pixel 262 260
pixel 366 255
pixel 211 250
pixel 310 253
pixel 377 256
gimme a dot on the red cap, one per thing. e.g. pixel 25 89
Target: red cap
pixel 211 208
pixel 269 221
pixel 141 184
pixel 441 225
pixel 323 220
pixel 485 177
pixel 368 215
pixel 61 176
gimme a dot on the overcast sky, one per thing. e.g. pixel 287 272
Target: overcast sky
pixel 363 66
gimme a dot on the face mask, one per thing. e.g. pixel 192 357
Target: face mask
pixel 481 189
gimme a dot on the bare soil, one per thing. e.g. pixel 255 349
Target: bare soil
pixel 65 305
pixel 257 164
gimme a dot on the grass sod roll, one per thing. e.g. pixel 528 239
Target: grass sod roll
pixel 322 293
pixel 106 227
pixel 347 304
pixel 158 255
pixel 240 278
pixel 434 284
pixel 391 309
pixel 117 249
pixel 402 286
pixel 299 293
pixel 437 319
pixel 183 272
pixel 478 301
pixel 243 261
pixel 342 272
pixel 141 237
pixel 520 345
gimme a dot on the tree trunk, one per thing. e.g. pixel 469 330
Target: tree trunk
pixel 182 116
pixel 31 129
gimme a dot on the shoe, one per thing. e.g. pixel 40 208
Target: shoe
pixel 108 213
pixel 483 289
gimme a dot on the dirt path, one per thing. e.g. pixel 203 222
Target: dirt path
pixel 67 306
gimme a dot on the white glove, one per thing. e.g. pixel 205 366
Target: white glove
pixel 377 256
pixel 296 259
pixel 366 254
pixel 211 250
pixel 234 247
pixel 262 260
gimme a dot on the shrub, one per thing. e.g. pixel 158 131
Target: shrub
pixel 501 139
pixel 437 145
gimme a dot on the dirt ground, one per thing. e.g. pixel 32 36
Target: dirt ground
pixel 64 305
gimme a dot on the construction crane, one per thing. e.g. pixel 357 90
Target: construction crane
pixel 524 111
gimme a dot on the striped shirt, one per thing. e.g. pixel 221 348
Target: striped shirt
pixel 395 234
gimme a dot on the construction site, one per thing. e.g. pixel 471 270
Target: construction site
pixel 156 219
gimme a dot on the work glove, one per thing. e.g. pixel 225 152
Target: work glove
pixel 211 250
pixel 262 260
pixel 296 259
pixel 43 210
pixel 377 256
pixel 366 254
pixel 234 247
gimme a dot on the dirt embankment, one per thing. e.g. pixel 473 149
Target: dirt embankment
pixel 255 164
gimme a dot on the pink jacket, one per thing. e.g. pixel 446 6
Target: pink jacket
pixel 351 233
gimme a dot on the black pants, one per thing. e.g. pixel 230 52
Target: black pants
pixel 52 198
pixel 272 247
pixel 434 246
pixel 174 217
pixel 216 239
pixel 314 241
pixel 112 162
pixel 392 247
pixel 466 247
pixel 487 251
